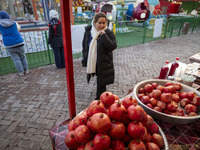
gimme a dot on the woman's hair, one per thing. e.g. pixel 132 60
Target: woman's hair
pixel 99 15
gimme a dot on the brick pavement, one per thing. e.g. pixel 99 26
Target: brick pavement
pixel 33 104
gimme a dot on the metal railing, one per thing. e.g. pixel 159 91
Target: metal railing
pixel 128 33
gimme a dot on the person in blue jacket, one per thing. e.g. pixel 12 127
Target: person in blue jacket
pixel 13 42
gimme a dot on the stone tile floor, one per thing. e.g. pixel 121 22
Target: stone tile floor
pixel 31 105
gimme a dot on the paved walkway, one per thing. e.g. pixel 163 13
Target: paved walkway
pixel 33 104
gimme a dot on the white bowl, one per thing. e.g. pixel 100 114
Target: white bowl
pixel 162 116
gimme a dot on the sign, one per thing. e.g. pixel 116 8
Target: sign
pixel 158 28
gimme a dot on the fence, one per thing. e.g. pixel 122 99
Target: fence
pixel 127 34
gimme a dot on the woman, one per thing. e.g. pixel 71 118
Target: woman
pixel 13 42
pixel 98 45
pixel 55 39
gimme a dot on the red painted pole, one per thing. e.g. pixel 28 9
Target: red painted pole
pixel 35 10
pixel 66 28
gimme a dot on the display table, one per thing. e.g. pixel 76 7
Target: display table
pixel 179 137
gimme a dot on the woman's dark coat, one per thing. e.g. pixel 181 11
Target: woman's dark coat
pixel 55 36
pixel 106 43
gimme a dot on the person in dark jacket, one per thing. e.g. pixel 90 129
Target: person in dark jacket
pixel 98 45
pixel 55 39
pixel 13 42
pixel 28 10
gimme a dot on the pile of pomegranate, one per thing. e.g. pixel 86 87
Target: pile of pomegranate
pixel 169 99
pixel 111 124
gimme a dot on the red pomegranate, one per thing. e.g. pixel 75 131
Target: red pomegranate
pixel 82 134
pixel 161 104
pixel 136 144
pixel 107 98
pixel 145 99
pixel 196 101
pixel 99 122
pixel 95 106
pixel 152 146
pixel 190 108
pixel 126 120
pixel 79 120
pixel 117 130
pixel 70 140
pixel 126 138
pixel 71 125
pixel 136 129
pixel 172 106
pixel 177 86
pixel 153 101
pixel 190 95
pixel 156 94
pixel 149 122
pixel 158 140
pixel 81 147
pixel 89 146
pixel 116 97
pixel 184 102
pixel 176 98
pixel 153 128
pixel 101 141
pixel 154 84
pixel 160 87
pixel 135 112
pixel 117 145
pixel 148 88
pixel 166 97
pixel 129 100
pixel 117 111
pixel 170 89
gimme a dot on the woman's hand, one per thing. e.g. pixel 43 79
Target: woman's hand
pixel 101 32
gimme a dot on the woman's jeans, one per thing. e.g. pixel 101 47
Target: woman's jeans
pixel 19 58
pixel 59 57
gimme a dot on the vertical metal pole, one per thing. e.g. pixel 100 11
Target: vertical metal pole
pixel 71 12
pixel 35 10
pixel 66 27
pixel 144 35
pixel 48 47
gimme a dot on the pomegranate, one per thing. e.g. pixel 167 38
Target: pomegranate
pixel 79 120
pixel 81 147
pixel 177 86
pixel 149 122
pixel 192 114
pixel 153 128
pixel 117 111
pixel 136 144
pixel 144 136
pixel 169 89
pixel 166 97
pixel 183 95
pixel 172 106
pixel 161 104
pixel 135 112
pixel 156 94
pixel 153 101
pixel 176 98
pixel 157 109
pixel 71 125
pixel 82 134
pixel 157 139
pixel 107 98
pixel 180 112
pixel 148 88
pixel 160 87
pixel 145 99
pixel 154 84
pixel 140 95
pixel 95 106
pixel 117 130
pixel 126 120
pixel 126 139
pixel 136 129
pixel 89 146
pixel 99 122
pixel 168 84
pixel 70 140
pixel 148 139
pixel 152 146
pixel 190 95
pixel 184 102
pixel 101 141
pixel 190 108
pixel 149 105
pixel 129 100
pixel 196 101
pixel 116 97
pixel 117 145
pixel 141 90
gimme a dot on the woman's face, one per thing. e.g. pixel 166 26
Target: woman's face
pixel 101 23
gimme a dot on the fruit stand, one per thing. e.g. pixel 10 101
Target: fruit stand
pixel 178 131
